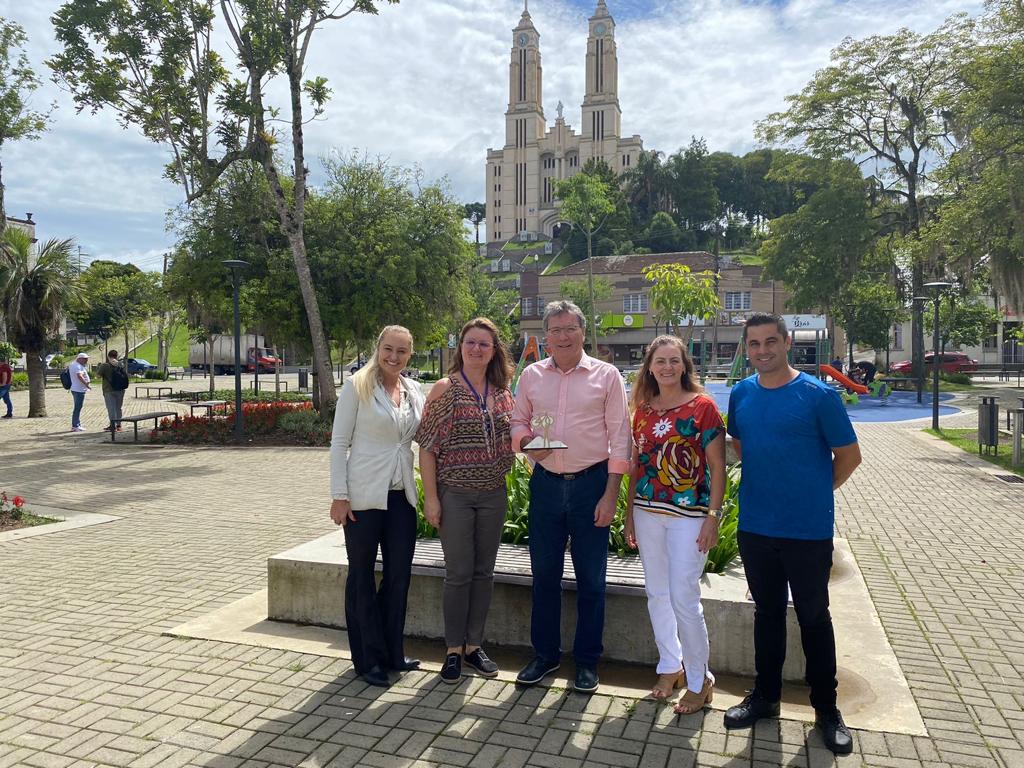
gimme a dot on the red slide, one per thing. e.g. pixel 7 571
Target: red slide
pixel 846 381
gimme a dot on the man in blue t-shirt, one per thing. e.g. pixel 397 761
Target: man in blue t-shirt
pixel 797 445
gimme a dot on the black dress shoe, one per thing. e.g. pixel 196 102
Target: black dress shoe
pixel 834 731
pixel 750 710
pixel 586 680
pixel 406 665
pixel 536 671
pixel 376 675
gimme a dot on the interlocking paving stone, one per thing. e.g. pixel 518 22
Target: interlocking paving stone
pixel 87 678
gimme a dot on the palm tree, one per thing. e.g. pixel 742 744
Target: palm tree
pixel 35 287
pixel 646 183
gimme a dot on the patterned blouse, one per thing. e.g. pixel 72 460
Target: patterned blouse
pixel 473 449
pixel 672 474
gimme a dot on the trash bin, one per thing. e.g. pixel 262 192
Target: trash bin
pixel 988 424
pixel 303 378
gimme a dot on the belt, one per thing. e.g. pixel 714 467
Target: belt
pixel 573 475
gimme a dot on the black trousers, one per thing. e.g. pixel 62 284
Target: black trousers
pixel 376 616
pixel 772 563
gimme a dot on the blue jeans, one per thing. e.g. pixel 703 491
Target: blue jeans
pixel 562 510
pixel 5 397
pixel 76 414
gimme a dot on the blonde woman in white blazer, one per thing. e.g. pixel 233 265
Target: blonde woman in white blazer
pixel 374 493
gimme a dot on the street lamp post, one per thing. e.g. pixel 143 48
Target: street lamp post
pixel 236 266
pixel 890 313
pixel 939 286
pixel 919 341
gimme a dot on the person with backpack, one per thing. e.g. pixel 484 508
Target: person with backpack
pixel 78 372
pixel 115 382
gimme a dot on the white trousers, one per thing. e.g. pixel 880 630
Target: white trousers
pixel 672 569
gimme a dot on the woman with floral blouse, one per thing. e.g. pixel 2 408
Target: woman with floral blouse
pixel 675 504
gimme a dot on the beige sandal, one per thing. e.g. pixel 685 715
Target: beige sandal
pixel 668 683
pixel 691 702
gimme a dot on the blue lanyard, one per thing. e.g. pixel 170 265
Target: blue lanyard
pixel 481 401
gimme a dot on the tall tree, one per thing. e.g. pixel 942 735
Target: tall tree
pixel 36 287
pixel 587 204
pixel 678 294
pixel 154 64
pixel 692 187
pixel 886 99
pixel 114 298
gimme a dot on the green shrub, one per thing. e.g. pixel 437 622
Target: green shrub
pixel 956 378
pixel 19 381
pixel 516 529
pixel 57 362
pixel 155 375
pixel 303 422
pixel 8 351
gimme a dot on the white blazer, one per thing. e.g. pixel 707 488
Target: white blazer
pixel 367 444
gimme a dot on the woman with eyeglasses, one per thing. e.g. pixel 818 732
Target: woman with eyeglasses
pixel 465 452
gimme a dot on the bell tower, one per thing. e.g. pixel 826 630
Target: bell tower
pixel 524 120
pixel 602 116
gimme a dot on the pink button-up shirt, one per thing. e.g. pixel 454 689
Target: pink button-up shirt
pixel 588 407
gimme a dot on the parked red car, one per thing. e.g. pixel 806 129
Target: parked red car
pixel 950 362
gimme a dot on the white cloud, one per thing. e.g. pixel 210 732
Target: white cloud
pixel 426 83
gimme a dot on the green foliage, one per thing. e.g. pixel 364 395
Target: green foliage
pixel 965 322
pixel 305 423
pixel 114 298
pixel 679 295
pixel 587 201
pixel 516 528
pixel 866 308
pixel 19 381
pixel 957 378
pixel 177 354
pixel 8 351
pixel 265 395
pixel 578 293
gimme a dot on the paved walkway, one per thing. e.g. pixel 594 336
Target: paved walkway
pixel 88 678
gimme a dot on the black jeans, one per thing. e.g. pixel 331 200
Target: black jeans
pixel 772 563
pixel 375 617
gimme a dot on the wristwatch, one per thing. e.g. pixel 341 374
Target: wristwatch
pixel 715 513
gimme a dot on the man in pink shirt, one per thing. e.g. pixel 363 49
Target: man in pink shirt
pixel 573 491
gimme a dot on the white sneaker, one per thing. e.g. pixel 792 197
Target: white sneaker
pixel 78 429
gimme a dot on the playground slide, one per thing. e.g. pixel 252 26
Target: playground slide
pixel 846 381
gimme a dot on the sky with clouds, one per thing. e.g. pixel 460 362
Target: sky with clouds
pixel 425 83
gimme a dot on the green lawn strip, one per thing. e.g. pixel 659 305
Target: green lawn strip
pixel 178 355
pixel 25 520
pixel 564 259
pixel 966 440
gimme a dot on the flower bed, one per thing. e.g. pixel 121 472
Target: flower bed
pixel 13 514
pixel 273 423
pixel 516 529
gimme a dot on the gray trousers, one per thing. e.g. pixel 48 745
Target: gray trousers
pixel 113 402
pixel 471 524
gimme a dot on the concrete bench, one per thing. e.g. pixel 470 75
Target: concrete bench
pixel 306 585
pixel 155 417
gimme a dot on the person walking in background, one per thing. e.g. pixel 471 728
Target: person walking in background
pixel 79 371
pixel 675 505
pixel 573 491
pixel 6 377
pixel 115 381
pixel 374 492
pixel 465 452
pixel 797 445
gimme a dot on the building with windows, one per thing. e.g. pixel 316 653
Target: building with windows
pixel 521 175
pixel 626 318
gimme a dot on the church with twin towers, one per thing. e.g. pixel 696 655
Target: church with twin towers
pixel 521 175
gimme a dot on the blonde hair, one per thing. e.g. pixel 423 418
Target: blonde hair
pixel 646 388
pixel 367 377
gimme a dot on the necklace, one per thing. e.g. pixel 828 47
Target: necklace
pixel 485 415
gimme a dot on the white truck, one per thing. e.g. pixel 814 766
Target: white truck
pixel 253 348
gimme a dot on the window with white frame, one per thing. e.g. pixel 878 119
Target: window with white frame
pixel 737 300
pixel 634 303
pixel 527 308
pixel 897 336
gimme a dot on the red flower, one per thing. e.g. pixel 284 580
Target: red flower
pixel 18 502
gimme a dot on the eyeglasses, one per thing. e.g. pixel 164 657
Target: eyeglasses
pixel 483 346
pixel 563 331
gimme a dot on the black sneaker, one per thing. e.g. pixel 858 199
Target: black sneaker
pixel 451 672
pixel 750 710
pixel 484 666
pixel 536 671
pixel 8 416
pixel 834 731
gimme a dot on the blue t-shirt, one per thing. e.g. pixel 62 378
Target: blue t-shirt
pixel 786 436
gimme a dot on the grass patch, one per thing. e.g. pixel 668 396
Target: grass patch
pixel 562 260
pixel 24 520
pixel 967 440
pixel 178 354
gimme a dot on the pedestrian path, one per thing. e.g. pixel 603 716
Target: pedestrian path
pixel 88 677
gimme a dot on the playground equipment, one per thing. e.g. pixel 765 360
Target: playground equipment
pixel 846 381
pixel 531 354
pixel 738 365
